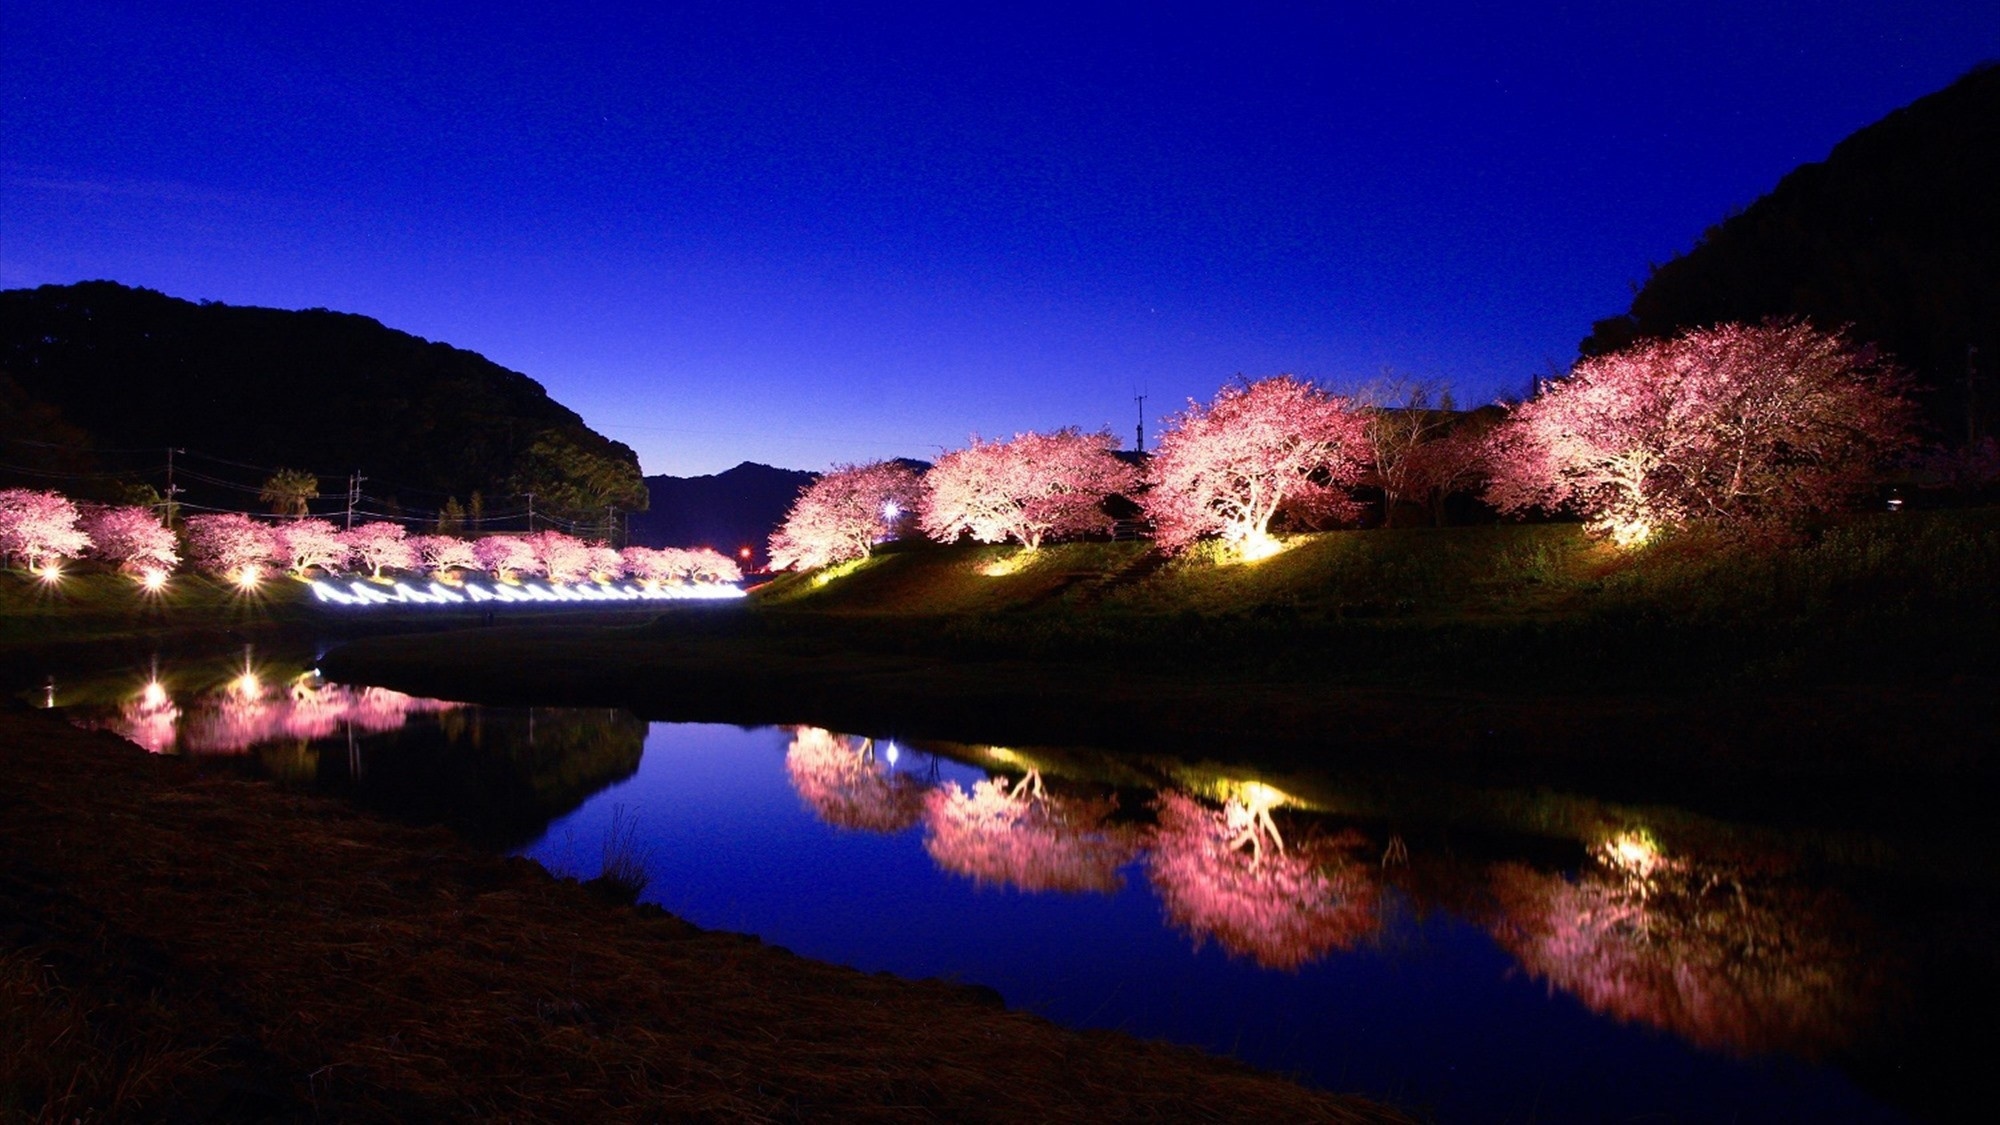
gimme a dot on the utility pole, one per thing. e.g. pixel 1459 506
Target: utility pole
pixel 531 511
pixel 1140 440
pixel 611 525
pixel 171 490
pixel 354 480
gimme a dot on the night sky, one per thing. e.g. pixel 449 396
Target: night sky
pixel 810 234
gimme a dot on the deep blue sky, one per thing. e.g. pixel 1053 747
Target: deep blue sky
pixel 809 234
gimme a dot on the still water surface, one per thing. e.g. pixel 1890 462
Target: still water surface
pixel 1533 970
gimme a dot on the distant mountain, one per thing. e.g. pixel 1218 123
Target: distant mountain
pixel 248 390
pixel 1897 232
pixel 728 511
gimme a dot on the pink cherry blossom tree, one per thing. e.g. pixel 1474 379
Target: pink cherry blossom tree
pixel 606 564
pixel 1276 445
pixel 843 514
pixel 131 537
pixel 505 557
pixel 441 553
pixel 1011 835
pixel 308 543
pixel 381 545
pixel 1030 488
pixel 1750 428
pixel 563 558
pixel 846 785
pixel 39 528
pixel 1280 908
pixel 231 545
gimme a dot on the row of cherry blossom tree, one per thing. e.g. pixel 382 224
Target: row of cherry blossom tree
pixel 1751 428
pixel 40 529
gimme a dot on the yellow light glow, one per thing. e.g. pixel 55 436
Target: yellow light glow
pixel 50 572
pixel 1001 754
pixel 1257 546
pixel 153 696
pixel 1628 532
pixel 154 580
pixel 1000 568
pixel 247 685
pixel 248 577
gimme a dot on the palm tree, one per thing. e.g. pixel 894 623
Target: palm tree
pixel 287 491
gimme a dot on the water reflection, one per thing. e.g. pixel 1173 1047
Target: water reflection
pixel 841 779
pixel 500 775
pixel 1020 835
pixel 1731 956
pixel 1225 874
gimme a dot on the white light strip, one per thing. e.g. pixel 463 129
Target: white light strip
pixel 364 593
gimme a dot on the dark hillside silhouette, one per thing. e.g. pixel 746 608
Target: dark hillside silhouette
pixel 728 511
pixel 325 392
pixel 1897 232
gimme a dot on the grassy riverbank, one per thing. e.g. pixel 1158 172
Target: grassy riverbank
pixel 195 948
pixel 1853 677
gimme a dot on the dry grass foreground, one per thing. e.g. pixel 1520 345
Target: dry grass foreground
pixel 179 947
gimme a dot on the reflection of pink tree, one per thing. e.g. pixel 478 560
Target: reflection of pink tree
pixel 1276 445
pixel 310 543
pixel 841 780
pixel 39 527
pixel 843 513
pixel 1726 958
pixel 149 719
pixel 131 538
pixel 1029 488
pixel 230 545
pixel 1017 836
pixel 1280 908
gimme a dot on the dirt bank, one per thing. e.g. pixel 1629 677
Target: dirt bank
pixel 178 947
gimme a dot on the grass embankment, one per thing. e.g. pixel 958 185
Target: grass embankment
pixel 1690 671
pixel 182 947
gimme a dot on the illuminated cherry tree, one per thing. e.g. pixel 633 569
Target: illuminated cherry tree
pixel 231 545
pixel 440 553
pixel 131 537
pixel 705 564
pixel 843 514
pixel 1750 428
pixel 305 544
pixel 564 558
pixel 381 545
pixel 1277 445
pixel 1726 955
pixel 1013 835
pixel 39 528
pixel 606 564
pixel 506 556
pixel 1029 488
pixel 846 785
pixel 1225 874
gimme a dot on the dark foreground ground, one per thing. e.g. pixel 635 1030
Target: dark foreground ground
pixel 179 947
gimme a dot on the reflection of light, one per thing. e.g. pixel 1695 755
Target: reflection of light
pixel 153 695
pixel 247 685
pixel 1633 852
